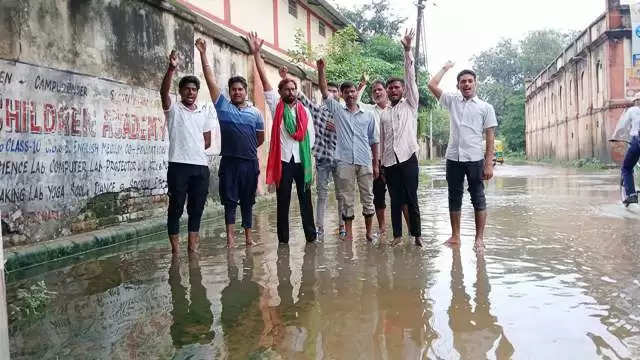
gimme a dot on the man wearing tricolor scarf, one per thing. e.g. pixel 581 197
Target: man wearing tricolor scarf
pixel 292 136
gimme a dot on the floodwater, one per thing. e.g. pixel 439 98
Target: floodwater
pixel 559 280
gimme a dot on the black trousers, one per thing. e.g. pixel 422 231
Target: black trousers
pixel 294 172
pixel 473 170
pixel 379 192
pixel 190 183
pixel 402 180
pixel 238 184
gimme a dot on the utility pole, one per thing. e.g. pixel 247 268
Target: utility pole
pixel 416 56
pixel 4 316
pixel 431 135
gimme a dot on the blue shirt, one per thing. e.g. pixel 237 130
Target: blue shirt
pixel 238 128
pixel 356 133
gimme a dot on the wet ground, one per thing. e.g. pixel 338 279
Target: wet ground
pixel 559 280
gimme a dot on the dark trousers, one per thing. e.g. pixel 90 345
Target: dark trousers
pixel 190 183
pixel 379 192
pixel 630 160
pixel 238 185
pixel 294 172
pixel 473 170
pixel 402 180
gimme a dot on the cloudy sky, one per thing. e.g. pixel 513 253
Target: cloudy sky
pixel 457 29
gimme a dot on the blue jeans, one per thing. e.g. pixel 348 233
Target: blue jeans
pixel 630 160
pixel 324 172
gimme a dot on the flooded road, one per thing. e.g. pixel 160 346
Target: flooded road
pixel 560 279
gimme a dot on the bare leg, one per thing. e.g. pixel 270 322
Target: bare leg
pixel 368 223
pixel 349 229
pixel 382 225
pixel 230 236
pixel 175 241
pixel 194 242
pixel 481 221
pixel 454 217
pixel 247 238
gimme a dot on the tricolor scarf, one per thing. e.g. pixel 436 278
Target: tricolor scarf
pixel 298 131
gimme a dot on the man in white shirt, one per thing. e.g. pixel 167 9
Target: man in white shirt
pixel 470 118
pixel 189 127
pixel 399 143
pixel 379 96
pixel 628 129
pixel 292 137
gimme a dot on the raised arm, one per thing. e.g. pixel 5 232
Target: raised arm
pixel 411 87
pixel 362 85
pixel 255 44
pixel 322 78
pixel 166 81
pixel 214 90
pixel 434 83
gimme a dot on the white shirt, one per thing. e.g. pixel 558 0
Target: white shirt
pixel 629 124
pixel 399 123
pixel 185 127
pixel 288 146
pixel 469 119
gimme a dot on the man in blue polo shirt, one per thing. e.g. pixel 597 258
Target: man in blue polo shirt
pixel 242 131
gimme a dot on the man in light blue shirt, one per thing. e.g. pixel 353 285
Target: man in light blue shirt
pixel 629 129
pixel 356 151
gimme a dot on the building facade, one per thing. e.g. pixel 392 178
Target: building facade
pixel 83 142
pixel 573 106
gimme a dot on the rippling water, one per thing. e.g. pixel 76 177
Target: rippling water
pixel 559 280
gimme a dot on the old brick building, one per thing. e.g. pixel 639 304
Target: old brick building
pixel 573 105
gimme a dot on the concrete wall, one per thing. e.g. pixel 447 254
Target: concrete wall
pixel 83 142
pixel 573 106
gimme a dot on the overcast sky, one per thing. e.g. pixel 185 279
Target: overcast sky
pixel 457 29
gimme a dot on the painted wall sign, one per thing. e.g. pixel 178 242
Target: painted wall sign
pixel 66 138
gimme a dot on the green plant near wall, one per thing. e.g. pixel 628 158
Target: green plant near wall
pixel 30 303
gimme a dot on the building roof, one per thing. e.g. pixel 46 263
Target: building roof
pixel 335 15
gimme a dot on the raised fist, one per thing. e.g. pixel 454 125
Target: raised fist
pixel 173 59
pixel 201 45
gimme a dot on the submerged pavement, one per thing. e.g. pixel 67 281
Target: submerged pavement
pixel 559 280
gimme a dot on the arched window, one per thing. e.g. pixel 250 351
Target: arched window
pixel 598 77
pixel 582 85
pixel 570 95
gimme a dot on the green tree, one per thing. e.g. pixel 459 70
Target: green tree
pixel 539 48
pixel 374 18
pixel 512 122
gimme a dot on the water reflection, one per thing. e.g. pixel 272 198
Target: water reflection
pixel 192 319
pixel 475 331
pixel 559 282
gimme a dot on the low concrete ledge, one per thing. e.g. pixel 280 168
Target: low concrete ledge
pixel 20 258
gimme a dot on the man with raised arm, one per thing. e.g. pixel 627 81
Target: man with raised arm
pixel 189 126
pixel 356 151
pixel 242 132
pixel 379 96
pixel 323 150
pixel 292 136
pixel 399 139
pixel 470 118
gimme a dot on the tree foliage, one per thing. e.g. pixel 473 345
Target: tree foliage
pixel 374 18
pixel 501 73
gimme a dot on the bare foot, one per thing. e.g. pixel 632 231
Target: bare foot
pixel 418 241
pixel 453 240
pixel 370 237
pixel 250 242
pixel 396 241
